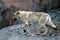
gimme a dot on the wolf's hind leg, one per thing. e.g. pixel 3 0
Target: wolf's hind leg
pixel 42 22
pixel 45 30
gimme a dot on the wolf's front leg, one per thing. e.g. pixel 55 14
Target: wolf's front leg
pixel 25 22
pixel 25 26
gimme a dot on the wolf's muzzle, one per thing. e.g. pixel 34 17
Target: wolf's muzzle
pixel 15 19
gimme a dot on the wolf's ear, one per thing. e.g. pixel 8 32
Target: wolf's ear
pixel 17 13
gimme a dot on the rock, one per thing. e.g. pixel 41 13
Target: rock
pixel 7 34
pixel 15 29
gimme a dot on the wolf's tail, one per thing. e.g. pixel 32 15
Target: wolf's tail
pixel 50 23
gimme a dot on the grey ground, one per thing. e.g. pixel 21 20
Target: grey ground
pixel 11 33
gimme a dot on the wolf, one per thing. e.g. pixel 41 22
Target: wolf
pixel 29 17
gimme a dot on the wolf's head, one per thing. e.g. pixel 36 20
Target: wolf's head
pixel 17 15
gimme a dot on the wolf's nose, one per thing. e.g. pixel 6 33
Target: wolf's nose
pixel 15 19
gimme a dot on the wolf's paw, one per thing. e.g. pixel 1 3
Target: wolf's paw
pixel 43 33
